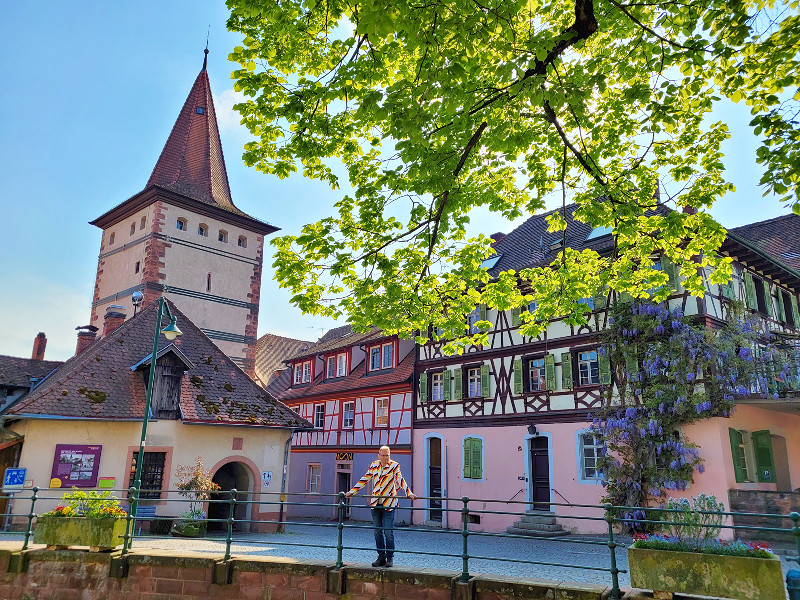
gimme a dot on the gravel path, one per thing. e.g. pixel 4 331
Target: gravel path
pixel 318 541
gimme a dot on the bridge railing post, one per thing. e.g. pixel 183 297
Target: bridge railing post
pixel 465 539
pixel 229 533
pixel 31 516
pixel 612 545
pixel 340 532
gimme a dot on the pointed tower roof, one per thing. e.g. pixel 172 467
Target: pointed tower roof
pixel 192 163
pixel 191 169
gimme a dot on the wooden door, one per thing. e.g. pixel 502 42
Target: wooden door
pixel 435 479
pixel 540 473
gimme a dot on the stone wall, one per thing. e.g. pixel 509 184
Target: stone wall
pixel 161 575
pixel 764 502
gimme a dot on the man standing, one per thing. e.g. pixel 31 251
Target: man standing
pixel 386 479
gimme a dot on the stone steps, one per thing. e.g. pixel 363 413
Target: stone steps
pixel 538 523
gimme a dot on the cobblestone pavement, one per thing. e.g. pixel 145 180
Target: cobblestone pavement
pixel 441 548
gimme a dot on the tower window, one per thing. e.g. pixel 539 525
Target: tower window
pixel 111 238
pixel 223 236
pixel 142 223
pixel 133 228
pixel 208 283
pixel 202 229
pixel 136 268
pixel 200 110
pixel 180 225
pixel 242 242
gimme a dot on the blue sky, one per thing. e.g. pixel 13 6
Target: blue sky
pixel 89 93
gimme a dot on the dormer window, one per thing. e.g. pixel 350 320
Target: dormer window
pixel 381 357
pixel 336 365
pixel 200 110
pixel 302 372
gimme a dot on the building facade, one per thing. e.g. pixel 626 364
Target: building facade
pixel 182 236
pixel 356 390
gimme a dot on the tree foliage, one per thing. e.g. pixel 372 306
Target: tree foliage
pixel 435 109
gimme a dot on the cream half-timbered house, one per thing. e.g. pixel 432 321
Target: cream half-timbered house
pixel 508 421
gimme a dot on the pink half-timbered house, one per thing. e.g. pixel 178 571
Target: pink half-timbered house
pixel 356 390
pixel 508 420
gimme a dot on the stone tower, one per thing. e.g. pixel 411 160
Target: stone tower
pixel 183 237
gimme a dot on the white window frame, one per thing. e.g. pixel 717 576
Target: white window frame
pixel 373 352
pixel 341 364
pixel 330 367
pixel 348 423
pixel 585 369
pixel 749 456
pixel 307 371
pixel 298 373
pixel 541 378
pixel 437 386
pixel 580 446
pixel 473 318
pixel 302 372
pixel 387 351
pixel 319 415
pixel 474 382
pixel 314 478
pixel 381 411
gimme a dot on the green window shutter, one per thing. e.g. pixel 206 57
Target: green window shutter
pixel 750 291
pixel 631 365
pixel 794 312
pixel 516 320
pixel 550 372
pixel 669 268
pixel 772 384
pixel 739 467
pixel 623 297
pixel 423 387
pixel 765 464
pixel 518 376
pixel 781 309
pixel 485 380
pixel 457 395
pixel 726 289
pixel 768 299
pixel 604 366
pixel 601 300
pixel 467 458
pixel 482 312
pixel 477 458
pixel 448 376
pixel 566 370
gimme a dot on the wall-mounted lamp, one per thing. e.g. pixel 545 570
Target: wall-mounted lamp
pixel 532 429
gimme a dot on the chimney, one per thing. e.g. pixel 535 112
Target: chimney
pixel 86 337
pixel 115 316
pixel 39 344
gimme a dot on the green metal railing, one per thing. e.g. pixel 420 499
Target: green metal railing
pixel 232 502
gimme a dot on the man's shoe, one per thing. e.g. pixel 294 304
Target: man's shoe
pixel 380 562
pixel 389 562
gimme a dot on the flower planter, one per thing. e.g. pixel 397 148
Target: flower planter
pixel 79 531
pixel 738 577
pixel 190 528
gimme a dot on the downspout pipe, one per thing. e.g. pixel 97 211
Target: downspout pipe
pixel 286 450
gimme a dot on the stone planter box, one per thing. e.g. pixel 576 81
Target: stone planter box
pixel 738 577
pixel 192 529
pixel 79 531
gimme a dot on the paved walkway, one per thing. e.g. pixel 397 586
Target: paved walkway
pixel 441 548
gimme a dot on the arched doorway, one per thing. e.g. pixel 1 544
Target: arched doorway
pixel 232 475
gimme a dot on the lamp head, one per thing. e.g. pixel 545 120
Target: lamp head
pixel 532 429
pixel 171 331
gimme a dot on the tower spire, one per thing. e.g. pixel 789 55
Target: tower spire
pixel 205 58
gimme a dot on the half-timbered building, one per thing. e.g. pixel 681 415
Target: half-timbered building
pixel 355 388
pixel 507 421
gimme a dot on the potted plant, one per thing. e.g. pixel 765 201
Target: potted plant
pixel 195 484
pixel 689 559
pixel 82 519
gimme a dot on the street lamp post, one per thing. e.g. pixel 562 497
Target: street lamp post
pixel 170 332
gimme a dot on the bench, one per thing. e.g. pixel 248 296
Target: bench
pixel 144 512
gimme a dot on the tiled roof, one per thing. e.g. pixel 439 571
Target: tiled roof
pixel 340 337
pixel 18 372
pixel 271 352
pixel 358 379
pixel 531 245
pixel 99 383
pixel 778 237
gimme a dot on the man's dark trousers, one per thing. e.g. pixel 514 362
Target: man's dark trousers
pixel 383 521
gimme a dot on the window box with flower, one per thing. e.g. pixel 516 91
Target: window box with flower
pixel 83 519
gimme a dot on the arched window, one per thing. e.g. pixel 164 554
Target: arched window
pixel 202 229
pixel 111 238
pixel 133 228
pixel 142 223
pixel 180 225
pixel 242 242
pixel 208 283
pixel 223 236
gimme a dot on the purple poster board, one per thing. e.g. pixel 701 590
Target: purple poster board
pixel 76 465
